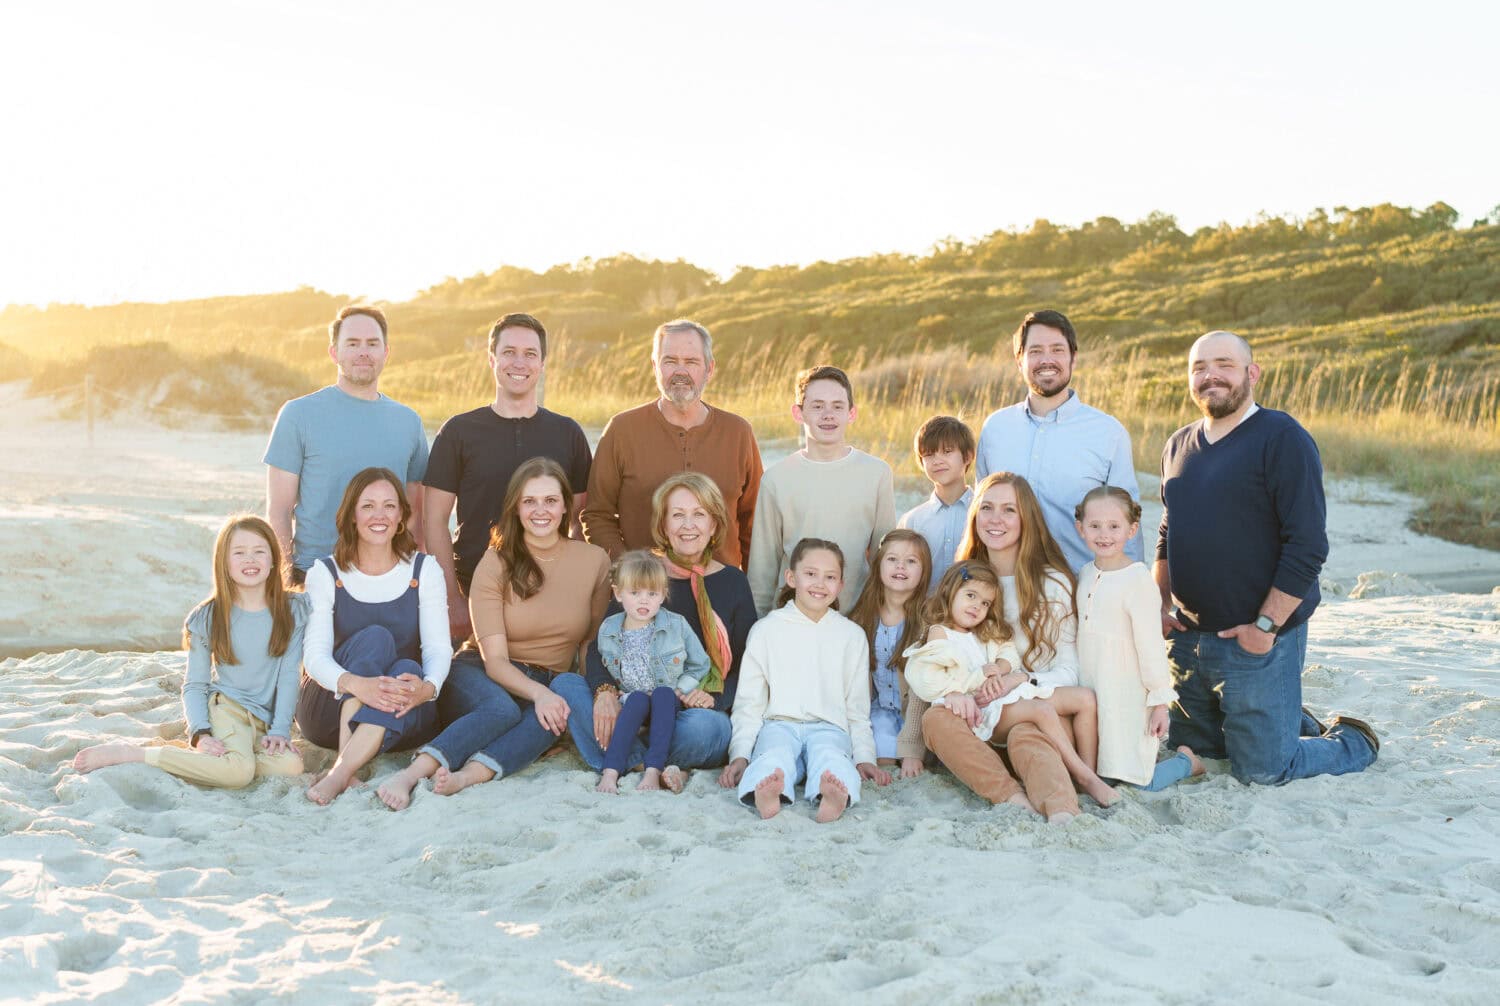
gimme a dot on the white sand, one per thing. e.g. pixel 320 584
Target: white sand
pixel 130 886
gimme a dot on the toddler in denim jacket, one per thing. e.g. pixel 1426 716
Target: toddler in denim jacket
pixel 660 664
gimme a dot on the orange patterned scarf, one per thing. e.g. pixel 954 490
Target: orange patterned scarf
pixel 715 636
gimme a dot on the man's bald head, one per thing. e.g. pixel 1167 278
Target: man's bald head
pixel 1220 341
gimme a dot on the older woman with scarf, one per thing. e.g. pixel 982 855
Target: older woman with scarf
pixel 689 518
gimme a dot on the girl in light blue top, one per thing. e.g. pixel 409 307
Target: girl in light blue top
pixel 244 652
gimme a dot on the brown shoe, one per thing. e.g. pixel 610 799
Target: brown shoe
pixel 1361 727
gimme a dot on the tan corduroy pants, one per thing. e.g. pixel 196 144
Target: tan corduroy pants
pixel 240 732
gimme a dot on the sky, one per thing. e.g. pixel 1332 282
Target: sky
pixel 167 150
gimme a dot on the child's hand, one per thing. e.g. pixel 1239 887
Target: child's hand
pixel 274 745
pixel 733 773
pixel 1157 722
pixel 698 699
pixel 211 745
pixel 991 689
pixel 964 707
pixel 874 772
pixel 912 767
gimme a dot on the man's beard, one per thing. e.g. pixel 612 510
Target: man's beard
pixel 1036 389
pixel 681 394
pixel 1228 404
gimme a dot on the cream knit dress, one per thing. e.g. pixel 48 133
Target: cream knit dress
pixel 1122 658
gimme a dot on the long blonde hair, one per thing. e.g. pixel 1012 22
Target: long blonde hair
pixel 1038 558
pixel 866 610
pixel 221 601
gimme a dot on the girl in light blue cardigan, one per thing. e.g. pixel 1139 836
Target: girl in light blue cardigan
pixel 660 664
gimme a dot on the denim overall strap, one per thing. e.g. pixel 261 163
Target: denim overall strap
pixel 400 615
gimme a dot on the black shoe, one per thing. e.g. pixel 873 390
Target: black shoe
pixel 1362 728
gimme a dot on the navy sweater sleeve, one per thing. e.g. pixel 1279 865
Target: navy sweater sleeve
pixel 1295 478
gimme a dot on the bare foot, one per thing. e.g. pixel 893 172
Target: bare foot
pixel 1102 792
pixel 1061 817
pixel 395 792
pixel 101 755
pixel 768 795
pixel 672 778
pixel 1021 801
pixel 835 798
pixel 327 788
pixel 650 779
pixel 1197 763
pixel 446 783
pixel 608 782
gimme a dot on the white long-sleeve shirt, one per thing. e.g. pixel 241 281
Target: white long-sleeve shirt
pixel 800 670
pixel 432 613
pixel 1062 670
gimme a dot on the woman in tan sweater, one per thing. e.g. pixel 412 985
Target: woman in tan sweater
pixel 536 598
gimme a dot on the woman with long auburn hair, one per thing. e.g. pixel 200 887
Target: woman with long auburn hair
pixel 377 649
pixel 1006 529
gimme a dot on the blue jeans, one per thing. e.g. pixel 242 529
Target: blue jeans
pixel 474 711
pixel 700 739
pixel 802 751
pixel 528 740
pixel 1248 708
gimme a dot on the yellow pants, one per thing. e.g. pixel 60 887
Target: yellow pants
pixel 239 732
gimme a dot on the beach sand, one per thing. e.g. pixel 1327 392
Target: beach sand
pixel 129 886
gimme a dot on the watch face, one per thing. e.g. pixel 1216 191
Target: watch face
pixel 1264 624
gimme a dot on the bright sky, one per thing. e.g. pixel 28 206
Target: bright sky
pixel 161 150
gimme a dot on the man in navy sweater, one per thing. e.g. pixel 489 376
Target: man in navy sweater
pixel 1243 538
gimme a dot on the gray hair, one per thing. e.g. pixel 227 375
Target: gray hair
pixel 683 325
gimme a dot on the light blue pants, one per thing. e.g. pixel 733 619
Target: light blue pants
pixel 802 750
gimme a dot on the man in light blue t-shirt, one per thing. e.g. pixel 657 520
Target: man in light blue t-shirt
pixel 322 440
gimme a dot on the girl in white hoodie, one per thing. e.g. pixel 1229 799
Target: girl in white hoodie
pixel 803 706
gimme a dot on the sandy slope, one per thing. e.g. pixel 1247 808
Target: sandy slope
pixel 130 886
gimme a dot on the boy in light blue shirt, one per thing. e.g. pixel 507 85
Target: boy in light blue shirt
pixel 944 447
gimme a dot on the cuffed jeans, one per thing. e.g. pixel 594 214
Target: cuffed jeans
pixel 528 740
pixel 1247 707
pixel 475 711
pixel 801 751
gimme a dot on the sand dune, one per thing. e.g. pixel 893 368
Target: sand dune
pixel 130 886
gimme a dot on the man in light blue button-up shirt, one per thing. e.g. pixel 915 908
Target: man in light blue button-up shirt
pixel 1062 447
